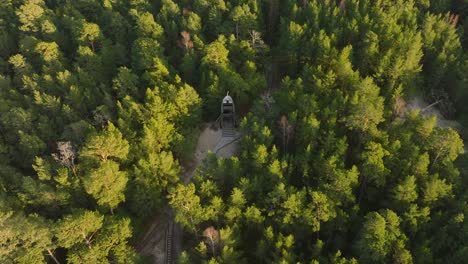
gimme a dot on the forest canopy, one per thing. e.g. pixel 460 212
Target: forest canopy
pixel 102 101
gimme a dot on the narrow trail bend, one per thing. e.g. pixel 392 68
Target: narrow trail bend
pixel 162 242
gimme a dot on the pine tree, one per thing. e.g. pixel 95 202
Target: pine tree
pixel 107 144
pixel 106 184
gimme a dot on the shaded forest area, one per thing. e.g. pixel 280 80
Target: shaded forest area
pixel 101 103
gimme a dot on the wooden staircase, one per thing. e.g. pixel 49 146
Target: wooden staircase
pixel 228 132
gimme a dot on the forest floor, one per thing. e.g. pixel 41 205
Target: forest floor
pixel 418 102
pixel 207 141
pixel 162 243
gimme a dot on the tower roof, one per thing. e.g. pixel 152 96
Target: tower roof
pixel 228 100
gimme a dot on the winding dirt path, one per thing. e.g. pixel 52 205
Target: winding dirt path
pixel 162 243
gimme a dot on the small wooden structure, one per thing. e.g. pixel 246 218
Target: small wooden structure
pixel 227 121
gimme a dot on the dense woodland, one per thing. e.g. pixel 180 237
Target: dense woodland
pixel 101 102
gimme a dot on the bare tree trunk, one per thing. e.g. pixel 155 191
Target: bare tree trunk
pixel 87 242
pixel 51 254
pixel 212 246
pixel 73 168
pixel 431 105
pixel 439 151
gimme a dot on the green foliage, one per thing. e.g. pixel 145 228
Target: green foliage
pixel 366 110
pixel 406 191
pixel 380 239
pixel 25 239
pixel 125 83
pixel 90 237
pixel 190 213
pixel 101 103
pixel 352 157
pixel 77 227
pixel 108 144
pixel 106 184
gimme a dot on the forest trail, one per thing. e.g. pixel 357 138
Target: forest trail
pixel 419 103
pixel 162 243
pixel 163 240
pixel 207 140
